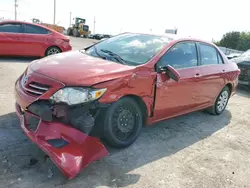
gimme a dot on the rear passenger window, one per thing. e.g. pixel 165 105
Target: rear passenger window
pixel 208 54
pixel 32 29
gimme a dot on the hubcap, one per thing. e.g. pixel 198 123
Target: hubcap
pixel 222 101
pixel 53 51
pixel 123 122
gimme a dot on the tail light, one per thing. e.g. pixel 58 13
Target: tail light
pixel 238 72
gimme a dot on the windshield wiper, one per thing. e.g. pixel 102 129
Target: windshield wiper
pixel 116 56
pixel 98 53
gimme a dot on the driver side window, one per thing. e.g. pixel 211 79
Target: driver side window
pixel 181 55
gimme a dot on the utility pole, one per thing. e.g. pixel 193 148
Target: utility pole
pixel 15 4
pixel 54 12
pixel 94 26
pixel 70 14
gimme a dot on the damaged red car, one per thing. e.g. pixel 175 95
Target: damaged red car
pixel 67 102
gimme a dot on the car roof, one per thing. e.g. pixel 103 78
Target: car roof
pixel 24 22
pixel 174 37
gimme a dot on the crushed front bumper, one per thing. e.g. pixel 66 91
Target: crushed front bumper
pixel 70 149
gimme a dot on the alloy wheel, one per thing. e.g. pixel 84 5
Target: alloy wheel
pixel 222 101
pixel 52 51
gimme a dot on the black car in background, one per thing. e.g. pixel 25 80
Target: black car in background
pixel 243 62
pixel 100 36
pixel 97 36
pixel 90 36
pixel 106 36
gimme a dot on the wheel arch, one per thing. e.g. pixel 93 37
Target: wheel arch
pixel 230 87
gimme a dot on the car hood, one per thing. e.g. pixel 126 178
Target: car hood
pixel 240 59
pixel 77 68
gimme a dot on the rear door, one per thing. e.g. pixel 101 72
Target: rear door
pixel 173 98
pixel 212 78
pixel 11 42
pixel 36 40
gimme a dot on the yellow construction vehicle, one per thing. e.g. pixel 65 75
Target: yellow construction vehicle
pixel 78 28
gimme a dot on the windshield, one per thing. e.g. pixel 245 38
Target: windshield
pixel 85 28
pixel 133 49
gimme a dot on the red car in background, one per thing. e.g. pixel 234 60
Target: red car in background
pixel 115 87
pixel 27 39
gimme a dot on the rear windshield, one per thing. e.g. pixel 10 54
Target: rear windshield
pixel 134 49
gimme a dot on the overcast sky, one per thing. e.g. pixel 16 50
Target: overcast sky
pixel 208 19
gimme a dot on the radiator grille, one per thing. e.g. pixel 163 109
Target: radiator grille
pixel 34 88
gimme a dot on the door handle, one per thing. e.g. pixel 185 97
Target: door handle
pixel 223 70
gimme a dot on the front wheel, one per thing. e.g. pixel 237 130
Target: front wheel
pixel 69 32
pixel 123 123
pixel 221 102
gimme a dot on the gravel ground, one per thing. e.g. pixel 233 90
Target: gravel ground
pixel 195 150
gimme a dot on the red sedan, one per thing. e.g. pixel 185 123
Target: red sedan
pixel 115 87
pixel 27 39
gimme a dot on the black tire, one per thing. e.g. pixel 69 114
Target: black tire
pixel 123 117
pixel 215 110
pixel 52 48
pixel 76 33
pixel 69 31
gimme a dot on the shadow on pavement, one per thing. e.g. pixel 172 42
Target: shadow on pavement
pixel 156 142
pixel 7 59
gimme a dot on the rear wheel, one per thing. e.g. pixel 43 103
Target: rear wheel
pixel 221 102
pixel 69 31
pixel 52 50
pixel 123 123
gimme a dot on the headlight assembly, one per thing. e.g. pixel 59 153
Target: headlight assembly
pixel 77 95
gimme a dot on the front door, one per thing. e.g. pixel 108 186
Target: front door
pixel 175 98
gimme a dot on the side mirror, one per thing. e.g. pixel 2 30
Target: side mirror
pixel 171 72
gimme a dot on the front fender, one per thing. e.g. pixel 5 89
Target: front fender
pixel 140 84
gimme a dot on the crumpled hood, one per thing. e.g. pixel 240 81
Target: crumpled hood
pixel 76 68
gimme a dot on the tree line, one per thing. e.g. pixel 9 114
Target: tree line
pixel 235 40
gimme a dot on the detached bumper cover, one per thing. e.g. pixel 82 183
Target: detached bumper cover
pixel 70 149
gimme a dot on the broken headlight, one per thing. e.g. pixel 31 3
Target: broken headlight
pixel 77 95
